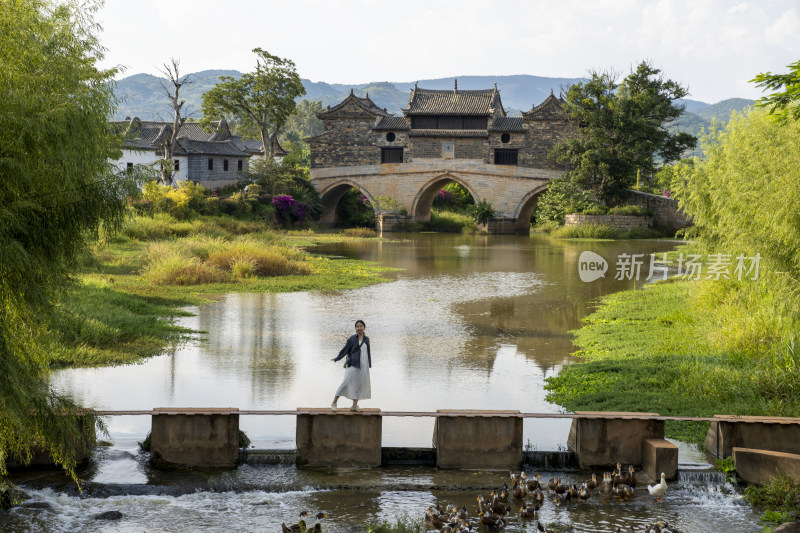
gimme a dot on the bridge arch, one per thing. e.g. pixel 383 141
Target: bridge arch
pixel 423 201
pixel 525 208
pixel 329 198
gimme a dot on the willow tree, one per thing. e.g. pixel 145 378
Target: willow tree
pixel 56 190
pixel 260 101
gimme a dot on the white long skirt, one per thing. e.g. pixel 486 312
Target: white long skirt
pixel 355 385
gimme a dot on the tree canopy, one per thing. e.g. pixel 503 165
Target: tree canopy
pixel 57 188
pixel 622 129
pixel 784 102
pixel 262 100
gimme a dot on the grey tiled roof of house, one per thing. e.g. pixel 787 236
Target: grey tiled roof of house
pixel 392 123
pixel 211 147
pixel 455 102
pixel 507 124
pixel 448 133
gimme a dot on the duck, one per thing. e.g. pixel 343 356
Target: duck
pixel 503 494
pixel 658 490
pixel 592 483
pixel 316 528
pixel 572 492
pixel 528 511
pixel 605 486
pixel 616 476
pixel 538 497
pixel 434 519
pixel 519 492
pixel 584 493
pixel 561 499
pixel 631 477
pixel 492 522
pixel 553 483
pixel 299 527
pixel 533 483
pixel 623 492
pixel 498 508
pixel 560 488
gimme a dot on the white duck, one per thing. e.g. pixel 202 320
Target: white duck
pixel 658 490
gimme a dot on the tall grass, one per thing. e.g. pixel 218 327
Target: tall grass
pixel 669 349
pixel 450 222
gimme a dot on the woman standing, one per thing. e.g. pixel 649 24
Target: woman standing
pixel 355 385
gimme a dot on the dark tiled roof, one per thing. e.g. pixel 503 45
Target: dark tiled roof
pixel 211 147
pixel 391 123
pixel 508 124
pixel 448 133
pixel 549 109
pixel 455 102
pixel 364 103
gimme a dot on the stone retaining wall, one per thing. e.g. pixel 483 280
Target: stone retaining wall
pixel 666 213
pixel 621 222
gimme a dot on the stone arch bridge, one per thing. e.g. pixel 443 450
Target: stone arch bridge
pixel 513 191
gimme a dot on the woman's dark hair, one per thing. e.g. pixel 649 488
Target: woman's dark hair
pixel 362 322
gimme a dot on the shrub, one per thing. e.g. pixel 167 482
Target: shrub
pixel 288 209
pixel 181 202
pixel 630 210
pixel 360 232
pixel 159 226
pixel 562 197
pixel 453 196
pixel 594 210
pixel 179 269
pixel 779 494
pixel 482 212
pixel 586 231
pixel 450 222
pixel 243 268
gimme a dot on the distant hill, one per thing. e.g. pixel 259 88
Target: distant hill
pixel 142 95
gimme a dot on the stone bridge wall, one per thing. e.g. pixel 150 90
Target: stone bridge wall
pixel 507 188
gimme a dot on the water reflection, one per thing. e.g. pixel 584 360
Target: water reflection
pixel 473 322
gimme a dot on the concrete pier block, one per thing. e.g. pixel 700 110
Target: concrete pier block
pixel 390 223
pixel 659 455
pixel 478 439
pixel 760 466
pixel 205 437
pixel 612 437
pixel 339 438
pixel 756 432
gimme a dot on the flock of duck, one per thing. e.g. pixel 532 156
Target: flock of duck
pixel 530 493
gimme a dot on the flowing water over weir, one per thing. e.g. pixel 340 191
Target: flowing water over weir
pixel 472 322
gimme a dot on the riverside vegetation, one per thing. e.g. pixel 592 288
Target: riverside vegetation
pixel 131 282
pixel 711 346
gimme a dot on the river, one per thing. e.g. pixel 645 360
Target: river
pixel 470 322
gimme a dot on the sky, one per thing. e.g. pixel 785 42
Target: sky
pixel 713 47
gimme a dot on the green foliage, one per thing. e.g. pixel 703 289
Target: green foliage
pixel 586 231
pixel 388 205
pixel 353 210
pixel 285 179
pixel 57 190
pixel 780 494
pixel 303 123
pixel 261 101
pixel 450 222
pixel 453 197
pixel 562 197
pixel 482 211
pixel 673 348
pixel 630 210
pixel 181 202
pixel 360 233
pixel 775 517
pixel 727 467
pixel 783 104
pixel 623 129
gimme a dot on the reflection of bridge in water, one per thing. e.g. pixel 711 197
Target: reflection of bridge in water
pixel 485 439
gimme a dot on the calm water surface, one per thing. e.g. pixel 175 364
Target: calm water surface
pixel 471 322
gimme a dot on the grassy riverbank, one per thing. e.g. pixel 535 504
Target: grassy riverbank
pixel 694 348
pixel 133 283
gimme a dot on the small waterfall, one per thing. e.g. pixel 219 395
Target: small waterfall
pixel 712 477
pixel 560 460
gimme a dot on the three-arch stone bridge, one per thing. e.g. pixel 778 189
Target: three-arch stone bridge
pixel 513 191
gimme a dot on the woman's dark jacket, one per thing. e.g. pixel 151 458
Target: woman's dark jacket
pixel 353 352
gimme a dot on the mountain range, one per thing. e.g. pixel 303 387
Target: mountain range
pixel 142 95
